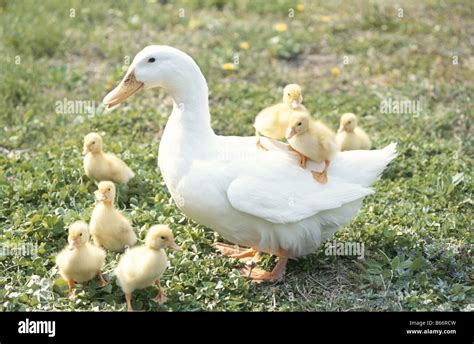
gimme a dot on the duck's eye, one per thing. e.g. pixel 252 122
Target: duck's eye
pixel 80 234
pixel 299 123
pixel 289 94
pixel 151 60
pixel 93 142
pixel 108 189
pixel 163 238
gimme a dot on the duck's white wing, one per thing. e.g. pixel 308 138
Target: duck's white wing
pixel 361 167
pixel 275 188
pixel 280 200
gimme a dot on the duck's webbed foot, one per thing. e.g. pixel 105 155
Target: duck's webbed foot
pixel 259 275
pixel 233 251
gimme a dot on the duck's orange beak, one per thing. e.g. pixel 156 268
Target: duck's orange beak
pixel 127 87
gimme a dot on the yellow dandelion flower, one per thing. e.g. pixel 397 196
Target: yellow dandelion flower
pixel 151 1
pixel 228 66
pixel 281 27
pixel 194 24
pixel 244 45
pixel 300 7
pixel 325 19
pixel 335 71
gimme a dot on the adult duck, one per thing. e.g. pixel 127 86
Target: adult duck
pixel 262 201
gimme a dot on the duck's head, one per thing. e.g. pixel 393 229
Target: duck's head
pixel 105 192
pixel 159 237
pixel 156 66
pixel 92 143
pixel 292 95
pixel 78 234
pixel 348 122
pixel 299 123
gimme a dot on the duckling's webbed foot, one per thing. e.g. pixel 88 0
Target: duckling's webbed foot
pixel 322 177
pixel 259 146
pixel 161 296
pixel 102 281
pixel 303 161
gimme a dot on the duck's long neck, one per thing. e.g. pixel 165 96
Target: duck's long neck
pixel 191 106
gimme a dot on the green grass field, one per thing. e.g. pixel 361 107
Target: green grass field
pixel 416 228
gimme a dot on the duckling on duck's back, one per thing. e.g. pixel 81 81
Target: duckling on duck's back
pixel 350 136
pixel 273 121
pixel 312 139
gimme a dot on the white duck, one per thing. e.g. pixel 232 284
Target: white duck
pixel 260 200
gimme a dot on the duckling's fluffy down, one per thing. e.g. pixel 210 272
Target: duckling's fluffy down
pixel 81 264
pixel 140 267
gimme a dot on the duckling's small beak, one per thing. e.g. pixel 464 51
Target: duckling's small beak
pixel 341 129
pixel 174 246
pixel 127 87
pixel 295 104
pixel 291 133
pixel 73 244
pixel 100 196
pixel 85 150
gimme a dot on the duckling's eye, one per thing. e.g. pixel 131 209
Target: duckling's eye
pixel 93 142
pixel 299 123
pixel 289 94
pixel 349 122
pixel 80 234
pixel 151 60
pixel 108 189
pixel 163 238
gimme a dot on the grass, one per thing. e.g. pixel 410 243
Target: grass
pixel 416 228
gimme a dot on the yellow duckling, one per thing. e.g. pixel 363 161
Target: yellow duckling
pixel 142 266
pixel 109 228
pixel 312 139
pixel 350 136
pixel 273 121
pixel 80 261
pixel 101 166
